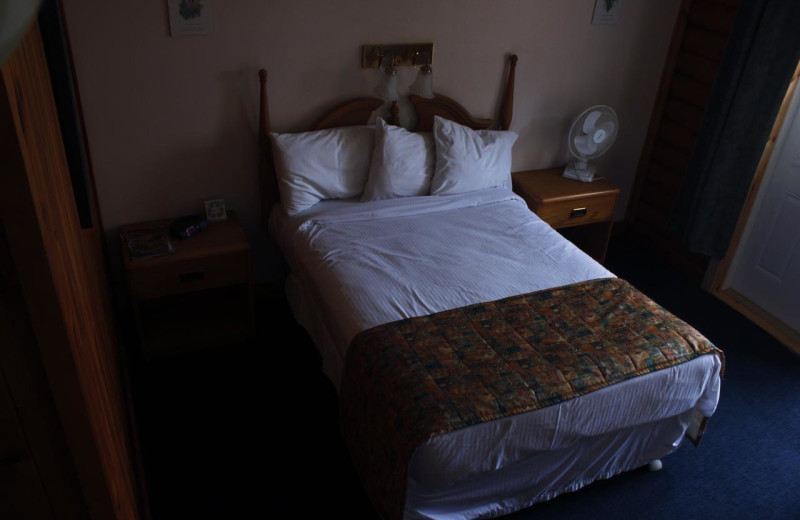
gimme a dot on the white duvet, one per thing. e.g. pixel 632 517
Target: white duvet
pixel 355 265
pixel 375 262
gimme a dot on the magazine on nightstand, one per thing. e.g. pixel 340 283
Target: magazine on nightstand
pixel 147 243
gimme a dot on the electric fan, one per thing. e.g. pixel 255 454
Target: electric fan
pixel 592 133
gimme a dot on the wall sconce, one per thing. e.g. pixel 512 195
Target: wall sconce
pixel 387 88
pixel 423 83
pixel 389 57
pixel 403 55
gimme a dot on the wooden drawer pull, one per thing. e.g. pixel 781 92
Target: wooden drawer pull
pixel 193 276
pixel 577 212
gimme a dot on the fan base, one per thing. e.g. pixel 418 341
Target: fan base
pixel 579 174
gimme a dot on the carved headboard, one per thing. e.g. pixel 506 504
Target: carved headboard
pixel 359 112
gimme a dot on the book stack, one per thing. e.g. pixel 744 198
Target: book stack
pixel 147 243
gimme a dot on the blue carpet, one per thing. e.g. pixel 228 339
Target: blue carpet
pixel 251 431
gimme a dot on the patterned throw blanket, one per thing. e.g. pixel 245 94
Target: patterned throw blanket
pixel 410 380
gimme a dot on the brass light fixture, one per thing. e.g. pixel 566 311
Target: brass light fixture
pixel 403 55
pixel 389 57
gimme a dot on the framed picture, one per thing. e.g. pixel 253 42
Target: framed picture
pixel 215 210
pixel 187 17
pixel 606 12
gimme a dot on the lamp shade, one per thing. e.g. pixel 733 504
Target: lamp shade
pixel 423 83
pixel 387 88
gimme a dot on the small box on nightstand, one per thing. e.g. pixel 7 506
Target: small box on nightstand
pixel 199 295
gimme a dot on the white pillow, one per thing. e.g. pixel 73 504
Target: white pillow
pixel 468 160
pixel 402 163
pixel 321 164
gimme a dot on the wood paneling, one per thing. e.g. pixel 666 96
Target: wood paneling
pixel 697 67
pixel 713 16
pixel 683 113
pixel 698 42
pixel 689 90
pixel 703 42
pixel 62 275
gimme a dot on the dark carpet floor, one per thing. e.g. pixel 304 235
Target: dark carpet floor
pixel 250 430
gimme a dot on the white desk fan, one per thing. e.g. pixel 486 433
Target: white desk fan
pixel 591 135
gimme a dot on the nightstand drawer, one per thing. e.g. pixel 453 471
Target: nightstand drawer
pixel 189 275
pixel 578 212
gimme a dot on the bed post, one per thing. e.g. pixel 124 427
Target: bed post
pixel 507 106
pixel 267 180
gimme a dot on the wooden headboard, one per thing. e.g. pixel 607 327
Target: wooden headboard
pixel 359 112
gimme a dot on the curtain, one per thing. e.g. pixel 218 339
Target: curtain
pixel 762 54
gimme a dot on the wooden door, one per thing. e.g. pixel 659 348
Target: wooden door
pixel 765 247
pixel 766 267
pixel 63 281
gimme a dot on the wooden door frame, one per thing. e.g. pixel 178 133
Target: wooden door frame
pixel 61 279
pixel 718 272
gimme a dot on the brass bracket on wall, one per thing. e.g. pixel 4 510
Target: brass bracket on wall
pixel 401 54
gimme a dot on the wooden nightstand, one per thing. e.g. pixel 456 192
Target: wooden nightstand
pixel 583 212
pixel 200 295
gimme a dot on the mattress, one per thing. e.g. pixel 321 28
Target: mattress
pixel 355 265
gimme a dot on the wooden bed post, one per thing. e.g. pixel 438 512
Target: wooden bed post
pixel 267 180
pixel 507 106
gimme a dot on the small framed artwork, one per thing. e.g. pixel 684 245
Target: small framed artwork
pixel 187 17
pixel 215 210
pixel 606 12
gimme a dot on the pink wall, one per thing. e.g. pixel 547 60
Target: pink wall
pixel 172 121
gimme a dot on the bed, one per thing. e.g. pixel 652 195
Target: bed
pixel 483 362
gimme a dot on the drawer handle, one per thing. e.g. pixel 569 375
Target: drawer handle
pixel 577 212
pixel 193 276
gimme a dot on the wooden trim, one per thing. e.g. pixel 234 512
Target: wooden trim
pixel 507 106
pixel 267 179
pixel 776 328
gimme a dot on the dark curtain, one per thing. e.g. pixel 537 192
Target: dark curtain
pixel 755 71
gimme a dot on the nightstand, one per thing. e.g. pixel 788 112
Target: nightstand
pixel 200 295
pixel 583 212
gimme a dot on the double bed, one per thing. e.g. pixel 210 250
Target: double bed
pixel 483 362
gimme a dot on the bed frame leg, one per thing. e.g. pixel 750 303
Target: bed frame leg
pixel 655 465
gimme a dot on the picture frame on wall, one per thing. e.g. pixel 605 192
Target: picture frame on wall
pixel 606 12
pixel 215 210
pixel 190 17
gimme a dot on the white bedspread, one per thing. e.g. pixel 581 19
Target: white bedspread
pixel 376 262
pixel 356 265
